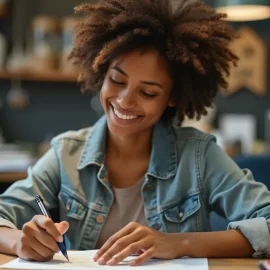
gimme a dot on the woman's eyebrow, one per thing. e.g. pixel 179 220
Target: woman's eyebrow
pixel 152 83
pixel 120 70
pixel 143 82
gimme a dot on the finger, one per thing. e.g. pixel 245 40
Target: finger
pixel 129 250
pixel 46 240
pixel 62 227
pixel 38 257
pixel 48 225
pixel 30 254
pixel 33 231
pixel 117 247
pixel 147 255
pixel 138 252
pixel 122 233
pixel 42 250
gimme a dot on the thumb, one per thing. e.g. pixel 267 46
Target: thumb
pixel 62 227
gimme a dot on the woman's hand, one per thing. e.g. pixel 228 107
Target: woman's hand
pixel 38 238
pixel 136 238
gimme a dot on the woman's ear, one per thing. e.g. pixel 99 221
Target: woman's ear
pixel 172 102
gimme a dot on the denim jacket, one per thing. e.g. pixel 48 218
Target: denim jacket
pixel 188 177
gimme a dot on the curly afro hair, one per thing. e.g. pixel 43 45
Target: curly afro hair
pixel 192 37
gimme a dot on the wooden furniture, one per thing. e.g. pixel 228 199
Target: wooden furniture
pixel 30 75
pixel 3 11
pixel 10 177
pixel 214 264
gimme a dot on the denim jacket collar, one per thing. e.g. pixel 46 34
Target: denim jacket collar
pixel 94 149
pixel 163 161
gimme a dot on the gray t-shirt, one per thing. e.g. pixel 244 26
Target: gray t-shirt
pixel 127 207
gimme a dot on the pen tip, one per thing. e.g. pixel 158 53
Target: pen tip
pixel 67 257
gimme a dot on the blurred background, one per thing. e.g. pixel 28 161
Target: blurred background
pixel 40 97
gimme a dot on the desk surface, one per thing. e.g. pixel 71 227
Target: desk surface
pixel 214 264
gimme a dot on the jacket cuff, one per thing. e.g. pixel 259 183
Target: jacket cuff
pixel 6 223
pixel 257 231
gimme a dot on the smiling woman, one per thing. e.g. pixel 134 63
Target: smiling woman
pixel 135 182
pixel 136 92
pixel 187 39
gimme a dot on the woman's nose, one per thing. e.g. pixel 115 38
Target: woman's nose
pixel 126 98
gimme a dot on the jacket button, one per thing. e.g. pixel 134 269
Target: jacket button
pixel 181 214
pixel 99 219
pixel 68 207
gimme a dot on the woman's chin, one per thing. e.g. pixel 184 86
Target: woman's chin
pixel 120 131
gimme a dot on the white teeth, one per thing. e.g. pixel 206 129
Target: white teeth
pixel 122 116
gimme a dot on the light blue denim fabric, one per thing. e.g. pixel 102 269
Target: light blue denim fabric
pixel 188 176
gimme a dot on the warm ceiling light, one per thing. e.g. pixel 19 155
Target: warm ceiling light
pixel 244 10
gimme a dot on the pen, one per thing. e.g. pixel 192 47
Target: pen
pixel 264 265
pixel 41 206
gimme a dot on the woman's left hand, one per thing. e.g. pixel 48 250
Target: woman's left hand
pixel 135 238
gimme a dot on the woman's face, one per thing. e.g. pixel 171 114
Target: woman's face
pixel 136 91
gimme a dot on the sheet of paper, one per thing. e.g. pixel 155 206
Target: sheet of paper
pixel 84 260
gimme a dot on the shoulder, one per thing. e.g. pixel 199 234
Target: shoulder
pixel 190 134
pixel 72 146
pixel 191 142
pixel 76 136
pixel 69 145
pixel 80 136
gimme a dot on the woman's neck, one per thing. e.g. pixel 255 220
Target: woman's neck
pixel 132 147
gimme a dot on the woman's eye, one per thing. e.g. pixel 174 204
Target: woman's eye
pixel 116 82
pixel 148 95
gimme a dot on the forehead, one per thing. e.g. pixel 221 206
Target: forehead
pixel 144 63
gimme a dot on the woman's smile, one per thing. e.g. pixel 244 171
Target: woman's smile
pixel 122 117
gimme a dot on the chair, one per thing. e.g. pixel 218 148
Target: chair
pixel 260 167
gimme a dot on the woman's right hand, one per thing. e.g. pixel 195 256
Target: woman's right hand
pixel 38 238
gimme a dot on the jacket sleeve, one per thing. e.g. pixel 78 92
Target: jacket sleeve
pixel 17 203
pixel 233 193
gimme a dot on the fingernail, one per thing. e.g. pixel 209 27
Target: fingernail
pixel 101 261
pixel 60 239
pixel 95 257
pixel 132 263
pixel 111 262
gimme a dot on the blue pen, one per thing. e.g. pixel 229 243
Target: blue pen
pixel 41 206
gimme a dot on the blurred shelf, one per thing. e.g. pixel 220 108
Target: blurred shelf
pixel 10 177
pixel 27 75
pixel 3 12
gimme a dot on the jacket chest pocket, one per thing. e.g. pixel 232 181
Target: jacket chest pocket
pixel 183 217
pixel 74 213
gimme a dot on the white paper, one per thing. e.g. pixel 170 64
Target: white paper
pixel 84 260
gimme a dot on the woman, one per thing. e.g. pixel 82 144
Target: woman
pixel 135 182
